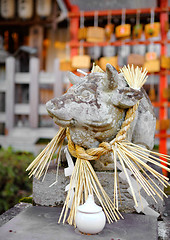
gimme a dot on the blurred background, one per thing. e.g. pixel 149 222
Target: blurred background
pixel 43 39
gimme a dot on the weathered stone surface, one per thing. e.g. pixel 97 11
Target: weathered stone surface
pixel 50 196
pixel 94 109
pixel 12 212
pixel 45 196
pixel 37 223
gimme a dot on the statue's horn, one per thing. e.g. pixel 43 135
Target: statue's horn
pixel 112 76
pixel 74 79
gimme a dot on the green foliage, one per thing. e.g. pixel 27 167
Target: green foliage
pixel 156 147
pixel 167 190
pixel 26 199
pixel 14 181
pixel 43 141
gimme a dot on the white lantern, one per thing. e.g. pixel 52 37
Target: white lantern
pixel 25 8
pixel 7 8
pixel 43 8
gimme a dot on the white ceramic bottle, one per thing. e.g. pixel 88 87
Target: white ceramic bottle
pixel 90 218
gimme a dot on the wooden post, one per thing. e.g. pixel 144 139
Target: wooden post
pixel 34 91
pixel 36 36
pixel 10 97
pixel 74 26
pixel 163 79
pixel 58 85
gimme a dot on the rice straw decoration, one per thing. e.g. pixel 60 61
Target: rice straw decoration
pixel 134 77
pixel 40 165
pixel 84 180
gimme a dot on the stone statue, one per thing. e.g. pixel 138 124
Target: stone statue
pixel 94 109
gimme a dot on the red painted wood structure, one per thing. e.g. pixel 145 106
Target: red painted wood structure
pixel 163 10
pixel 163 78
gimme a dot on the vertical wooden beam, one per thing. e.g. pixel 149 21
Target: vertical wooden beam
pixel 34 91
pixel 163 79
pixel 36 37
pixel 74 27
pixel 10 93
pixel 58 85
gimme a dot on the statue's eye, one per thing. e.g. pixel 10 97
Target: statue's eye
pixel 86 96
pixel 85 93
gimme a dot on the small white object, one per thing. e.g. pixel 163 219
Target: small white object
pixel 90 218
pixel 81 71
pixel 67 187
pixel 58 163
pixel 68 171
pixel 142 204
pixel 136 186
pixel 71 194
pixel 150 212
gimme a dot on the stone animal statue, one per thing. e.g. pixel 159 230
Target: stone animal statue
pixel 94 109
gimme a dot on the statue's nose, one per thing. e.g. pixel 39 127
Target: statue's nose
pixel 49 105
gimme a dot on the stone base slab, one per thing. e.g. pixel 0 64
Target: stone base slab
pixel 52 196
pixel 40 223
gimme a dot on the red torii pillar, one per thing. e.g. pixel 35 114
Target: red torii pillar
pixel 163 78
pixel 74 27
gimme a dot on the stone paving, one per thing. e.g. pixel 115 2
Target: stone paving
pixel 35 223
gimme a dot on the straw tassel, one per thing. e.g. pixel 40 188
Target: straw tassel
pixel 86 182
pixel 40 165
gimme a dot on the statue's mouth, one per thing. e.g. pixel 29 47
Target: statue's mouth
pixel 59 121
pixel 62 122
pixel 72 122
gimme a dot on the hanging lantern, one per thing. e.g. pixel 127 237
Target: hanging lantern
pixel 25 9
pixel 7 8
pixel 43 8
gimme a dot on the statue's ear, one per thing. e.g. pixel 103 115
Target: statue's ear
pixel 112 76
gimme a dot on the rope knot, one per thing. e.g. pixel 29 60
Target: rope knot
pixel 107 146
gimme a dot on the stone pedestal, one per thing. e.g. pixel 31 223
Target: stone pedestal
pixel 40 223
pixel 52 196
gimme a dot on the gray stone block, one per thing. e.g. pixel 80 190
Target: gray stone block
pixel 37 223
pixel 52 196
